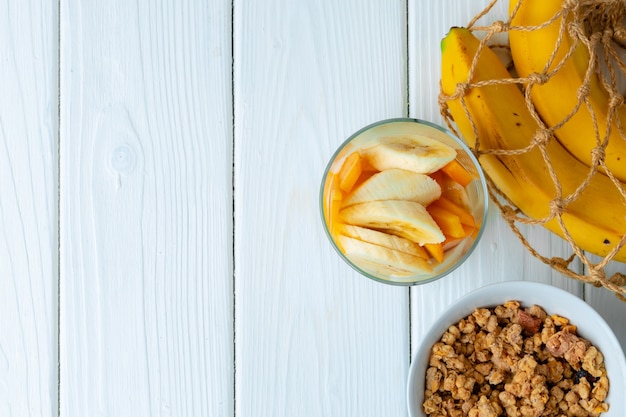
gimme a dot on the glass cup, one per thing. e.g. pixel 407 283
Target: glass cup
pixel 391 225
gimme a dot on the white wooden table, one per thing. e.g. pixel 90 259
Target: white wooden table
pixel 161 248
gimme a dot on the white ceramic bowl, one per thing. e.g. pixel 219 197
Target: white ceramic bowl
pixel 553 300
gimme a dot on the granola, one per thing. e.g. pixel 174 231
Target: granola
pixel 514 361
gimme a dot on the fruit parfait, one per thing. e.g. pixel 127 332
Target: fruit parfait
pixel 403 201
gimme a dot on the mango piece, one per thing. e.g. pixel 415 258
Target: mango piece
pixel 464 215
pixel 350 172
pixel 435 250
pixel 451 242
pixel 449 223
pixel 471 231
pixel 332 202
pixel 457 172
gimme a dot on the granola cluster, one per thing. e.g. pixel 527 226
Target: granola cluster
pixel 514 361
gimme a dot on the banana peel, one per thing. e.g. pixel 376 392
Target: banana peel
pixel 499 120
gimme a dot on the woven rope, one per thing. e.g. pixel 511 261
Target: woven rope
pixel 599 25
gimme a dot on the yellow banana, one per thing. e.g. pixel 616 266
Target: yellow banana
pixel 557 98
pixel 596 220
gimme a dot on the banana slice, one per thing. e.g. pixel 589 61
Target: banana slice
pixel 382 261
pixel 386 240
pixel 412 153
pixel 406 219
pixel 396 184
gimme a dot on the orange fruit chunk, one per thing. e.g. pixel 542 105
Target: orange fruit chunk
pixel 464 215
pixel 457 172
pixel 350 172
pixel 435 250
pixel 451 242
pixel 449 223
pixel 332 202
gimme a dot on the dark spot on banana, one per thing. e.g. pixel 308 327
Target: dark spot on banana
pixel 606 241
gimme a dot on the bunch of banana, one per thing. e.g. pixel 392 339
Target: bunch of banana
pixel 383 218
pixel 500 120
pixel 551 51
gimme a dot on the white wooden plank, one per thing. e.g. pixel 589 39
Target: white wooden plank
pixel 605 302
pixel 500 255
pixel 312 337
pixel 28 208
pixel 146 209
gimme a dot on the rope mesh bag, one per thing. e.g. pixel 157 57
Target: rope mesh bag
pixel 598 26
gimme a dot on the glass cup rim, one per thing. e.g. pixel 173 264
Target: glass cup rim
pixel 483 186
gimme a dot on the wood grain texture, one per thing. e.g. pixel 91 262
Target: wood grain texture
pixel 607 304
pixel 130 287
pixel 312 337
pixel 500 255
pixel 28 208
pixel 146 209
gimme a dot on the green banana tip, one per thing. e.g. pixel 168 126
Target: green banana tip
pixel 450 31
